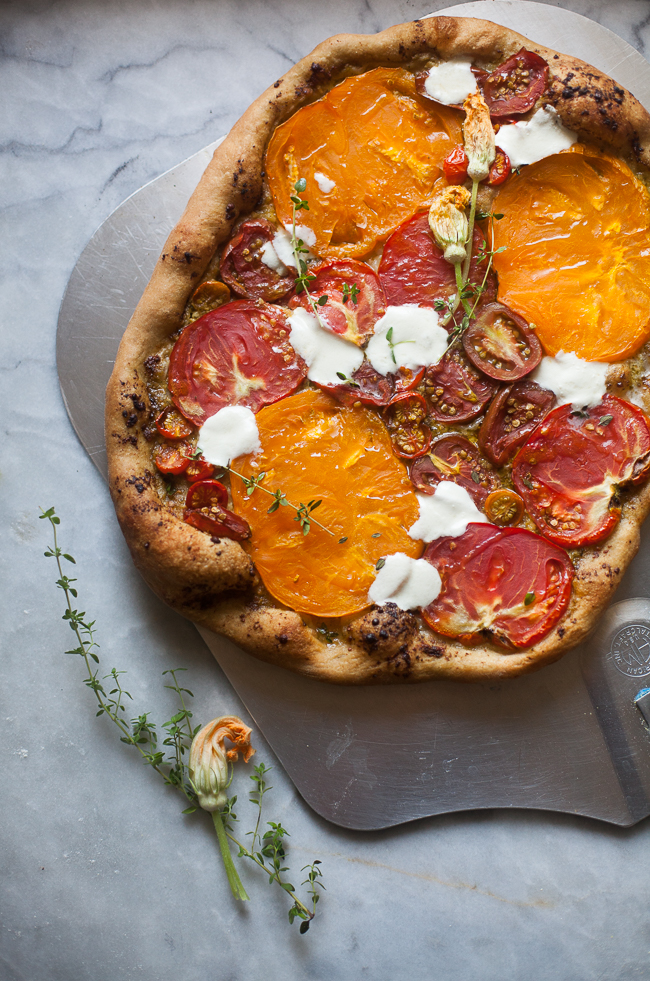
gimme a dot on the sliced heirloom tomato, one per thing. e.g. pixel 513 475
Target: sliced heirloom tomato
pixel 244 270
pixel 454 458
pixel 237 355
pixel 500 170
pixel 456 163
pixel 504 507
pixel 406 421
pixel 455 390
pixel 353 298
pixel 199 470
pixel 173 459
pixel 501 344
pixel 505 585
pixel 368 387
pixel 414 270
pixel 513 414
pixel 206 509
pixel 206 297
pixel 572 467
pixel 171 424
pixel 515 86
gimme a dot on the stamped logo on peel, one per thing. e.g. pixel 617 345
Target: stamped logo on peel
pixel 631 650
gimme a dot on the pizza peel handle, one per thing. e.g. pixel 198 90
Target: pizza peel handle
pixel 568 738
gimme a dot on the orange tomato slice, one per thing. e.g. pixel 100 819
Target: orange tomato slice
pixel 576 231
pixel 381 144
pixel 315 449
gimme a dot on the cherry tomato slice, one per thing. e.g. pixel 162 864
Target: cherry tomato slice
pixel 244 270
pixel 500 170
pixel 219 522
pixel 504 507
pixel 366 386
pixel 505 585
pixel 455 165
pixel 237 355
pixel 354 298
pixel 413 269
pixel 501 343
pixel 199 470
pixel 205 494
pixel 571 468
pixel 454 458
pixel 206 297
pixel 513 414
pixel 515 86
pixel 171 424
pixel 455 390
pixel 173 459
pixel 405 419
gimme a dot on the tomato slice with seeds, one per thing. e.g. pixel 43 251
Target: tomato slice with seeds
pixel 171 424
pixel 414 270
pixel 173 459
pixel 354 298
pixel 206 297
pixel 366 386
pixel 199 470
pixel 455 390
pixel 205 494
pixel 243 269
pixel 572 467
pixel 504 507
pixel 219 522
pixel 500 170
pixel 455 165
pixel 405 419
pixel 237 355
pixel 513 414
pixel 515 86
pixel 501 344
pixel 454 458
pixel 505 585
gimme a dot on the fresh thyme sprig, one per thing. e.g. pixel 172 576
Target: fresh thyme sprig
pixel 267 851
pixel 393 344
pixel 304 278
pixel 303 511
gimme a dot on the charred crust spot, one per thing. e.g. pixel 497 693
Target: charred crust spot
pixel 138 404
pixel 561 632
pixel 282 638
pixel 384 630
pixel 276 85
pixel 140 483
pixel 151 363
pixel 125 440
pixel 146 545
pixel 431 650
pixel 230 212
pixel 215 540
pixel 131 419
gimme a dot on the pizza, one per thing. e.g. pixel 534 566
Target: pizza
pixel 380 414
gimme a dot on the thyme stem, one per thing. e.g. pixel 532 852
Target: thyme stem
pixel 295 507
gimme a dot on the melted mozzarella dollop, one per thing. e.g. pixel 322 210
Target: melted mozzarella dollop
pixel 326 185
pixel 447 512
pixel 324 352
pixel 582 383
pixel 229 433
pixel 450 81
pixel 409 583
pixel 280 251
pixel 270 258
pixel 417 339
pixel 539 137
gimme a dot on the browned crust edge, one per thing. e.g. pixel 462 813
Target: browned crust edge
pixel 206 579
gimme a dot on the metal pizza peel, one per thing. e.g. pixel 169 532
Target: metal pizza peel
pixel 573 737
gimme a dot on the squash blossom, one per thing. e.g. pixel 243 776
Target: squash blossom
pixel 209 758
pixel 478 135
pixel 448 222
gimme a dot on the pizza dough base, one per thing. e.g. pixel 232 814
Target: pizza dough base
pixel 211 581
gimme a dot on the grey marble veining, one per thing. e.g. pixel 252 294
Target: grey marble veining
pixel 103 879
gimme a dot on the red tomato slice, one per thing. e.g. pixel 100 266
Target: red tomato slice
pixel 366 386
pixel 454 458
pixel 505 585
pixel 513 414
pixel 515 86
pixel 199 470
pixel 206 494
pixel 455 390
pixel 173 459
pixel 171 424
pixel 354 298
pixel 413 269
pixel 572 467
pixel 237 355
pixel 501 344
pixel 455 165
pixel 244 271
pixel 219 522
pixel 405 419
pixel 500 170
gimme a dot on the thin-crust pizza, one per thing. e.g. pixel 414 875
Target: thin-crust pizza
pixel 565 530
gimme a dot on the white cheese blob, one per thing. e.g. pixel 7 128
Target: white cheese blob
pixel 282 244
pixel 450 82
pixel 326 185
pixel 417 339
pixel 447 512
pixel 229 433
pixel 539 137
pixel 271 259
pixel 410 583
pixel 325 353
pixel 582 383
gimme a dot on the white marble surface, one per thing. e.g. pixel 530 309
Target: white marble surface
pixel 103 879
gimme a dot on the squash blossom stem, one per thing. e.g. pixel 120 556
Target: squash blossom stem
pixel 470 239
pixel 236 885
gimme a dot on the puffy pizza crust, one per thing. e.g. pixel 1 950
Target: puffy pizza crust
pixel 212 581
